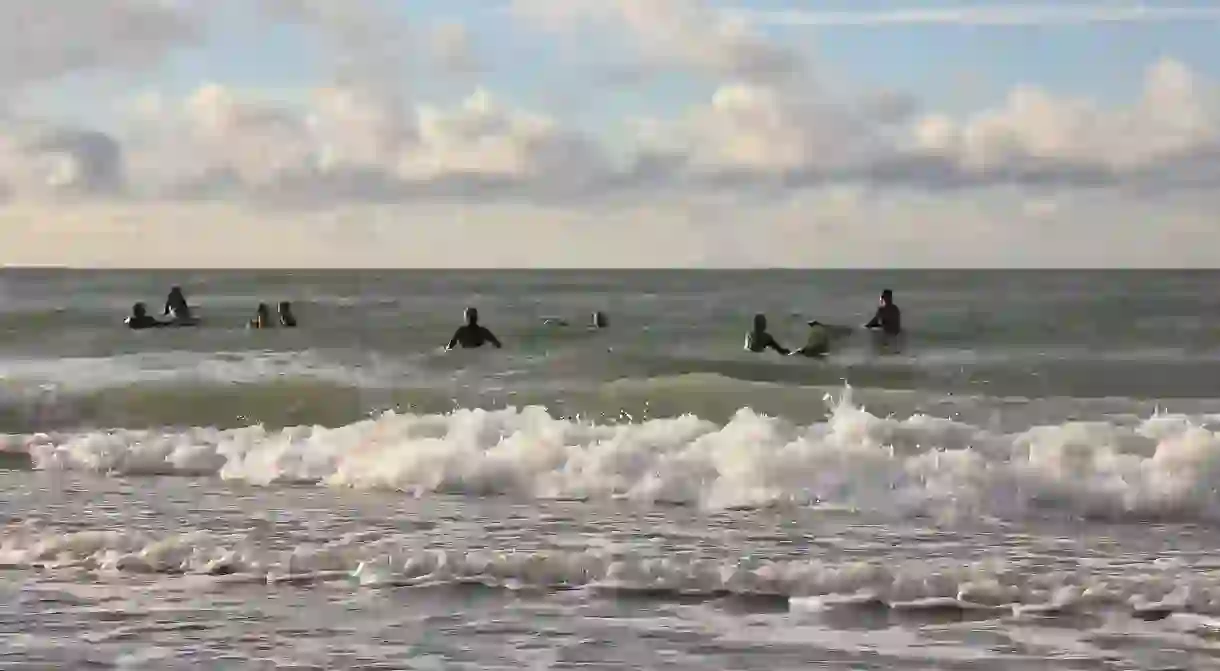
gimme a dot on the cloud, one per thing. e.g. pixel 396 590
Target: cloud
pixel 47 39
pixel 685 33
pixel 1176 120
pixel 352 144
pixel 994 16
pixel 793 137
pixel 361 136
pixel 761 129
pixel 42 160
pixel 348 144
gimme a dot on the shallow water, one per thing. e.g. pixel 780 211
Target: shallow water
pixel 1032 483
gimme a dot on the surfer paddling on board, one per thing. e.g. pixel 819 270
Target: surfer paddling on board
pixel 472 334
pixel 759 340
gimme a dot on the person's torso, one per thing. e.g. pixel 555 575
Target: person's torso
pixel 891 318
pixel 471 336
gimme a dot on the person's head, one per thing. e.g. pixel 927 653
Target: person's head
pixel 139 310
pixel 175 290
pixel 599 320
pixel 285 308
pixel 471 315
pixel 815 323
pixel 263 311
pixel 760 322
pixel 887 297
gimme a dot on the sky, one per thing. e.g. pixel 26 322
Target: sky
pixel 609 133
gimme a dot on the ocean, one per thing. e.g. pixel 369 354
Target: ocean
pixel 1029 482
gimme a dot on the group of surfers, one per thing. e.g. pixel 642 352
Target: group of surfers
pixel 179 313
pixel 887 320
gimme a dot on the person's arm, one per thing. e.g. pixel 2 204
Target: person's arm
pixel 491 337
pixel 454 340
pixel 771 342
pixel 875 322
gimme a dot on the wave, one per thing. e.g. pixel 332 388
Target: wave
pixel 808 584
pixel 1162 467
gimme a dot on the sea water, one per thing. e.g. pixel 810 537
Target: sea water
pixel 1029 483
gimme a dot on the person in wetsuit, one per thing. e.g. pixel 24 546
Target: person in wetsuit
pixel 287 319
pixel 175 304
pixel 262 318
pixel 758 340
pixel 888 317
pixel 818 344
pixel 140 318
pixel 471 334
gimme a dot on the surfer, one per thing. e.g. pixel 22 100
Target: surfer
pixel 287 319
pixel 758 339
pixel 175 305
pixel 262 318
pixel 888 317
pixel 600 321
pixel 818 344
pixel 471 334
pixel 140 319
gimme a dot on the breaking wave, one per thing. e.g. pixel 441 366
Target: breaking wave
pixel 1162 467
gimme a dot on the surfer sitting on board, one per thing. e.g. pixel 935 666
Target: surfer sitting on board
pixel 471 334
pixel 287 319
pixel 175 304
pixel 759 340
pixel 262 318
pixel 140 318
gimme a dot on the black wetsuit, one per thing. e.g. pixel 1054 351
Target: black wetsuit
pixel 472 335
pixel 888 319
pixel 176 305
pixel 143 322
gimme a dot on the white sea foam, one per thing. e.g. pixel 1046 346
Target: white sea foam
pixel 1163 466
pixel 809 585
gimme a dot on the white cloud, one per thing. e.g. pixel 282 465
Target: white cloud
pixel 349 144
pixel 45 39
pixel 756 128
pixel 687 33
pixel 1176 117
pixel 42 161
pixel 985 15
